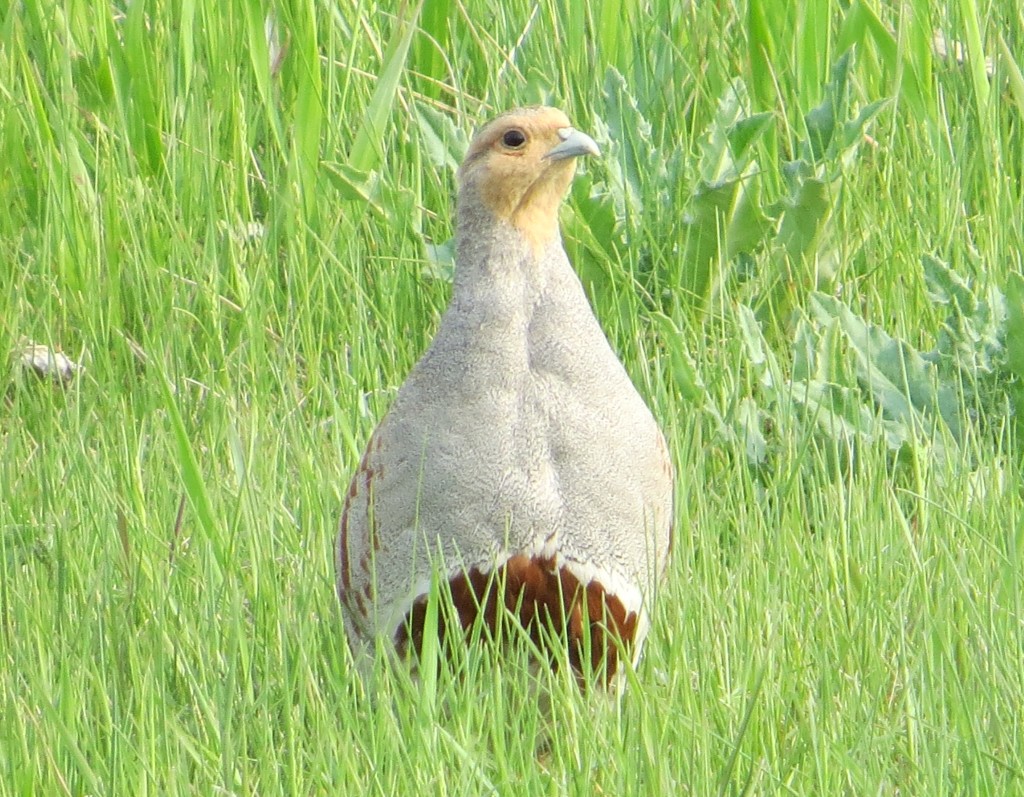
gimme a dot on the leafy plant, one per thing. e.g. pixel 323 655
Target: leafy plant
pixel 726 219
pixel 849 383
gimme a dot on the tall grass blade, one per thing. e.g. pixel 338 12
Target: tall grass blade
pixel 366 150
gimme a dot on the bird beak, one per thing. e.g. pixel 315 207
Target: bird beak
pixel 574 145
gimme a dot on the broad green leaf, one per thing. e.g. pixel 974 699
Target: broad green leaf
pixel 613 28
pixel 308 110
pixel 729 134
pixel 743 135
pixel 596 221
pixel 1015 325
pixel 904 384
pixel 444 142
pixel 854 130
pixel 685 375
pixel 748 227
pixel 259 59
pixel 725 206
pixel 367 148
pixel 632 159
pixel 806 211
pixel 945 286
pixel 748 419
pixel 818 354
pixel 862 22
pixel 821 125
pixel 971 18
pixel 759 354
pixel 839 412
pixel 854 27
pixel 432 49
pixel 971 340
pixel 186 40
pixel 354 185
pixel 822 120
pixel 704 229
pixel 761 53
pixel 1015 78
pixel 805 352
pixel 440 262
pixel 810 46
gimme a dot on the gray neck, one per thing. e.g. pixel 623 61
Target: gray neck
pixel 494 260
pixel 513 308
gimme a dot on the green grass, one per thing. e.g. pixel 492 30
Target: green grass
pixel 837 620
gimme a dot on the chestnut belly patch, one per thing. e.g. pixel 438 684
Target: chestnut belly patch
pixel 542 594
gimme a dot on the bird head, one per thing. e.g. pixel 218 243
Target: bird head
pixel 518 169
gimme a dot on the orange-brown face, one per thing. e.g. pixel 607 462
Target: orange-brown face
pixel 520 166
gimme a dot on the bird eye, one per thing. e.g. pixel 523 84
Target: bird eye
pixel 513 139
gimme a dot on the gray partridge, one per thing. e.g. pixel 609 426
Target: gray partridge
pixel 518 460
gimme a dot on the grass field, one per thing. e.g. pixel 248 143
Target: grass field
pixel 238 228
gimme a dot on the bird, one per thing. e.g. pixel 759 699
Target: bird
pixel 518 463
